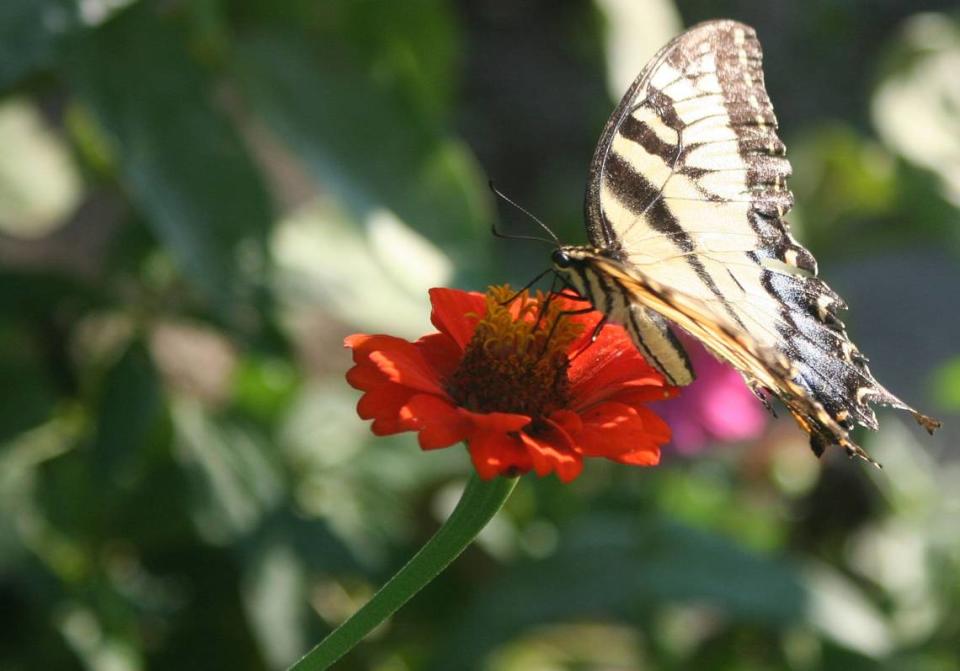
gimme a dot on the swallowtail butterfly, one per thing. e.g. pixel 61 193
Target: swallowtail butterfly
pixel 685 211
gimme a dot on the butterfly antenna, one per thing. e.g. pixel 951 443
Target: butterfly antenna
pixel 555 240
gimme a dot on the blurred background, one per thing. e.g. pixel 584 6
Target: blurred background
pixel 199 200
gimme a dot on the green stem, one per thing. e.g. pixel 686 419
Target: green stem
pixel 480 502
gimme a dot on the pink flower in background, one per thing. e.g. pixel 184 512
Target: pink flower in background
pixel 717 407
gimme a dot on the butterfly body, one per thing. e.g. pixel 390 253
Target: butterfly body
pixel 685 210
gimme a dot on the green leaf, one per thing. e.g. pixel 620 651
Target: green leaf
pixel 365 144
pixel 87 491
pixel 180 158
pixel 235 474
pixel 615 566
pixel 30 31
pixel 273 594
pixel 131 406
pixel 947 385
pixel 263 387
pixel 280 558
pixel 411 46
pixel 27 396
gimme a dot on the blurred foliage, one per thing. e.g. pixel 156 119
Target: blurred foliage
pixel 198 200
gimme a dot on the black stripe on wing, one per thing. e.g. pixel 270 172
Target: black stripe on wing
pixel 642 134
pixel 638 195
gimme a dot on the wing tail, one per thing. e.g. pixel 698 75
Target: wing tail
pixel 762 366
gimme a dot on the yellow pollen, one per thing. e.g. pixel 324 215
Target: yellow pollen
pixel 517 359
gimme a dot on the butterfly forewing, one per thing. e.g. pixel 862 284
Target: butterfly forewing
pixel 687 197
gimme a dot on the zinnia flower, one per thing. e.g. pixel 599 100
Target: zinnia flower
pixel 519 383
pixel 717 406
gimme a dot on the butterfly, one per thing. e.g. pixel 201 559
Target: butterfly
pixel 685 210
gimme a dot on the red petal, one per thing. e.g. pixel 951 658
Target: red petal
pixel 383 400
pixel 442 423
pixel 364 376
pixel 499 422
pixel 567 420
pixel 451 308
pixel 574 305
pixel 623 433
pixel 654 425
pixel 384 426
pixel 589 321
pixel 495 453
pixel 363 343
pixel 356 340
pixel 401 363
pixel 643 394
pixel 609 366
pixel 648 455
pixel 553 451
pixel 396 359
pixel 440 352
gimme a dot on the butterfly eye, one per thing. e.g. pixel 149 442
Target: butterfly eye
pixel 561 259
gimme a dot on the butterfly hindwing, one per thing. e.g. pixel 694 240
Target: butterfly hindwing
pixel 659 345
pixel 688 194
pixel 763 368
pixel 648 329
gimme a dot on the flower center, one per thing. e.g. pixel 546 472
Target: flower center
pixel 517 359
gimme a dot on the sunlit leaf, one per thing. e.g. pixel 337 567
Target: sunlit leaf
pixel 320 257
pixel 273 595
pixel 915 108
pixel 366 146
pixel 39 183
pixel 635 30
pixel 844 613
pixel 234 473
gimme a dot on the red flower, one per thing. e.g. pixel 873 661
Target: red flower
pixel 509 381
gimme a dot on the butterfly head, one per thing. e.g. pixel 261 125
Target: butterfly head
pixel 561 259
pixel 567 258
pixel 569 263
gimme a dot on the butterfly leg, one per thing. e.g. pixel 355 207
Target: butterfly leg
pixel 561 315
pixel 569 292
pixel 763 394
pixel 526 286
pixel 593 337
pixel 546 306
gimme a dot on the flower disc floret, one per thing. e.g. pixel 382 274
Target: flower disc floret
pixel 517 359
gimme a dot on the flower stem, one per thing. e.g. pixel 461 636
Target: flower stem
pixel 480 502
